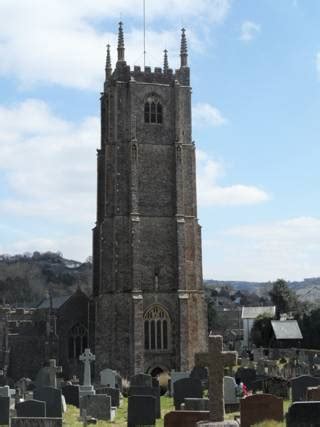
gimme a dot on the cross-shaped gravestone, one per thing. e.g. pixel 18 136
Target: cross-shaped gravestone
pixel 53 371
pixel 216 360
pixel 87 357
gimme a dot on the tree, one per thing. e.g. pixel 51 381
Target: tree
pixel 283 297
pixel 261 332
pixel 310 327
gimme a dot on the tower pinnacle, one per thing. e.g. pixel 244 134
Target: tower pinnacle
pixel 165 61
pixel 120 44
pixel 108 63
pixel 183 49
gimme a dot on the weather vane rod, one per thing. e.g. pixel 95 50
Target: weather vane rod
pixel 144 33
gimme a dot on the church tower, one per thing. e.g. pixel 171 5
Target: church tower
pixel 147 280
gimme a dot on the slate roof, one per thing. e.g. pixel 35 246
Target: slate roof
pixel 57 302
pixel 286 330
pixel 254 312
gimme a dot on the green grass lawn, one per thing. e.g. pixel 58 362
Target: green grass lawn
pixel 71 418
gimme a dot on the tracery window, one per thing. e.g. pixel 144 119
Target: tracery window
pixel 153 110
pixel 156 329
pixel 77 341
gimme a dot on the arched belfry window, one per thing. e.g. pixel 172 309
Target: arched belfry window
pixel 156 329
pixel 77 341
pixel 153 110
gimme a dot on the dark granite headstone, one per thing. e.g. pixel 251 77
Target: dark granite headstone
pixel 141 411
pixel 300 385
pixel 31 408
pixel 186 387
pixel 36 422
pixel 195 404
pixel 4 410
pixel 71 394
pixel 97 406
pixel 201 373
pixel 52 397
pixel 113 392
pixel 141 380
pixel 302 414
pixel 147 391
pixel 276 386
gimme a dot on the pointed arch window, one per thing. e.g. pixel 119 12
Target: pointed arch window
pixel 156 329
pixel 77 341
pixel 153 111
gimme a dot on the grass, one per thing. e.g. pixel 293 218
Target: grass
pixel 71 417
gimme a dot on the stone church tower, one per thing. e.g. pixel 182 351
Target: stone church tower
pixel 150 309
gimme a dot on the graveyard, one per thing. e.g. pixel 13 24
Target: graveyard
pixel 137 339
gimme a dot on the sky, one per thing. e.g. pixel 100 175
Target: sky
pixel 255 73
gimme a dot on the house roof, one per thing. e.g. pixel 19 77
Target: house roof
pixel 254 312
pixel 286 330
pixel 57 302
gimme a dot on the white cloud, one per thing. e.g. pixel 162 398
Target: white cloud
pixel 49 163
pixel 288 249
pixel 205 114
pixel 58 42
pixel 211 193
pixel 249 31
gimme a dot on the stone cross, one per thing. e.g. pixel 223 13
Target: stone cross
pixel 216 360
pixel 87 357
pixel 53 371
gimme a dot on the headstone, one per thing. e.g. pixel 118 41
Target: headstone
pixel 108 377
pixel 52 397
pixel 246 375
pixel 141 411
pixel 230 391
pixel 6 391
pixel 216 359
pixel 300 385
pixel 141 380
pixel 97 406
pixel 36 422
pixel 31 408
pixel 304 414
pixel 184 418
pixel 196 404
pixel 175 376
pixel 200 373
pixel 147 391
pixel 156 389
pixel 277 386
pixel 47 376
pixel 114 393
pixel 4 410
pixel 313 393
pixel 71 394
pixel 187 387
pixel 260 407
pixel 87 358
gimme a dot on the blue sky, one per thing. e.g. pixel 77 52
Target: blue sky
pixel 255 70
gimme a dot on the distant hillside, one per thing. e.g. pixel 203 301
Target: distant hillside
pixel 28 278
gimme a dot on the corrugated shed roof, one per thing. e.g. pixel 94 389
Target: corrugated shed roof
pixel 57 302
pixel 254 312
pixel 286 330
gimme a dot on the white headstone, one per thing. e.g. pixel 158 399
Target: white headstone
pixel 87 389
pixel 229 386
